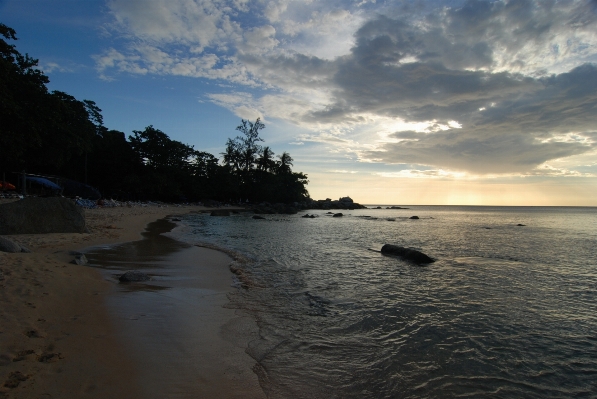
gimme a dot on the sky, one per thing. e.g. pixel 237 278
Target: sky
pixel 388 102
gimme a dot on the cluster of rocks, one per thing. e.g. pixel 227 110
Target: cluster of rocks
pixel 266 208
pixel 342 203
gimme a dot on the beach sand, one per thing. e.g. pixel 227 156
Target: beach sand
pixel 59 337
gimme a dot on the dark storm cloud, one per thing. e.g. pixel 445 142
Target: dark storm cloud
pixel 443 69
pixel 515 135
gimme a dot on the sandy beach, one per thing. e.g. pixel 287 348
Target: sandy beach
pixel 58 338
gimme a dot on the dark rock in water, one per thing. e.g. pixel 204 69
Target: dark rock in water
pixel 7 245
pixel 520 224
pixel 338 215
pixel 80 260
pixel 220 212
pixel 133 276
pixel 258 217
pixel 175 220
pixel 329 213
pixel 413 217
pixel 406 253
pixel 37 215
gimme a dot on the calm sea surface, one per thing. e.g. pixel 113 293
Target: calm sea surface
pixel 506 311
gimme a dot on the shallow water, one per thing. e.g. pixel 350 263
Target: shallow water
pixel 506 311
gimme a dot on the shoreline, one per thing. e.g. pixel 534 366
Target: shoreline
pixel 57 335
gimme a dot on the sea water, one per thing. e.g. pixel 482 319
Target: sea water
pixel 506 311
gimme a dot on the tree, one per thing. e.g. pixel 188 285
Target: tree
pixel 247 145
pixel 40 131
pixel 285 163
pixel 265 162
pixel 159 152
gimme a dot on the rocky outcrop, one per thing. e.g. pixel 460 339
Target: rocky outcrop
pixel 7 245
pixel 41 215
pixel 342 203
pixel 409 254
pixel 133 276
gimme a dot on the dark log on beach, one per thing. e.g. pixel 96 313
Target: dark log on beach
pixel 220 212
pixel 413 217
pixel 133 276
pixel 406 253
pixel 36 215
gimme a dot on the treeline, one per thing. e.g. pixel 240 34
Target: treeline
pixel 52 133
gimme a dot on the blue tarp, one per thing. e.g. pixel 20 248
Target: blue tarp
pixel 44 182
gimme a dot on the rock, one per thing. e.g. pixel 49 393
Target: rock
pixel 25 250
pixel 220 212
pixel 37 215
pixel 258 217
pixel 406 253
pixel 133 276
pixel 413 217
pixel 338 215
pixel 175 219
pixel 80 260
pixel 7 245
pixel 520 224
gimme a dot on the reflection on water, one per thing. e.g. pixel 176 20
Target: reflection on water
pixel 506 311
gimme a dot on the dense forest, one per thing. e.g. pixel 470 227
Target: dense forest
pixel 52 133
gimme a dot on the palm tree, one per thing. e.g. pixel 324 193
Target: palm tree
pixel 285 163
pixel 232 155
pixel 265 161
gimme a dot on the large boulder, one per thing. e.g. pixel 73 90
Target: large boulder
pixel 35 215
pixel 7 245
pixel 406 253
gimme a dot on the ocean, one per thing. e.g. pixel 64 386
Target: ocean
pixel 508 310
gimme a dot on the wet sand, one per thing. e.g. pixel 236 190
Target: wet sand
pixel 60 336
pixel 176 324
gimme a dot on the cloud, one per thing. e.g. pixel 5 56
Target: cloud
pixel 498 87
